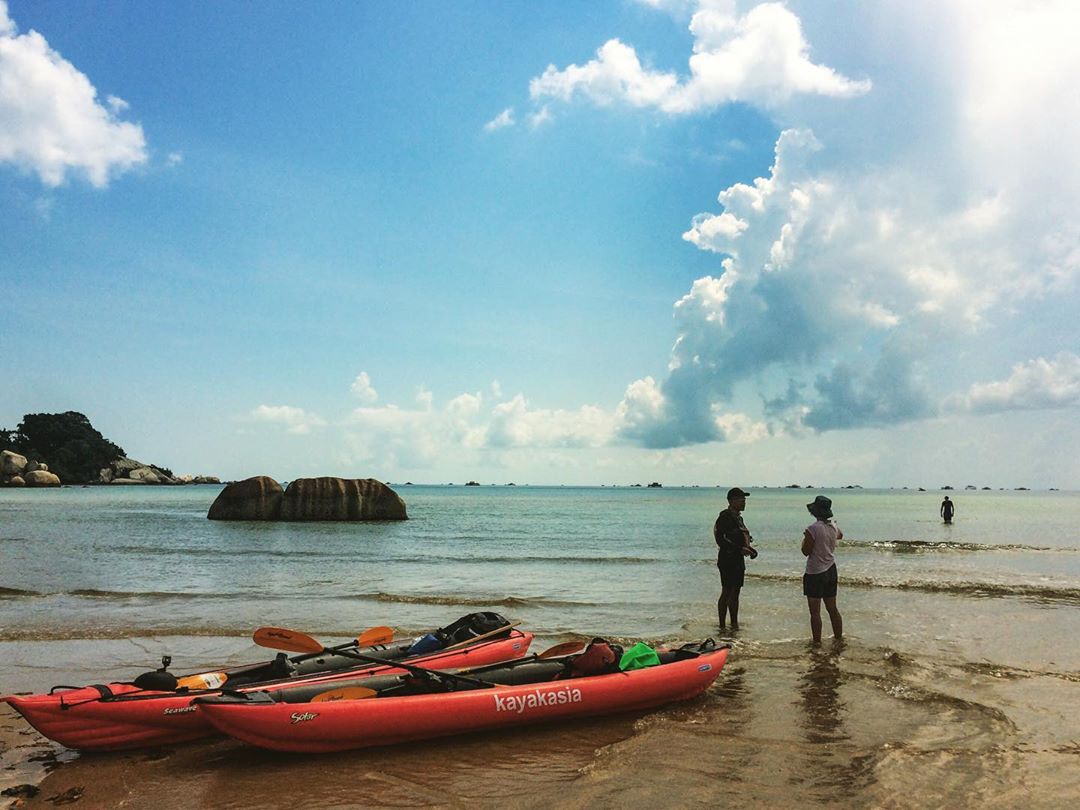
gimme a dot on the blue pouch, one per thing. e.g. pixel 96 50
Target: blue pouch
pixel 425 644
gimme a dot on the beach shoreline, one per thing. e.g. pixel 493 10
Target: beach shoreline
pixel 786 723
pixel 25 756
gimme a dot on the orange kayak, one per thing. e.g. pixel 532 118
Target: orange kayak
pixel 393 709
pixel 121 716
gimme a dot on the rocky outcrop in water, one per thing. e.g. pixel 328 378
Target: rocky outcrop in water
pixel 16 471
pixel 257 498
pixel 262 498
pixel 127 471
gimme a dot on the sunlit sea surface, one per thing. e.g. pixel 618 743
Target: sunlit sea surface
pixel 958 681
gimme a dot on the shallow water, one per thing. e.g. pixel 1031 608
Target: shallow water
pixel 959 679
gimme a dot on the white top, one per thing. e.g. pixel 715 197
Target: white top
pixel 825 534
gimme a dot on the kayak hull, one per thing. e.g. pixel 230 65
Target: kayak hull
pixel 320 727
pixel 132 718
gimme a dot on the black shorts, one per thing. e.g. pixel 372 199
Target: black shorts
pixel 732 571
pixel 820 586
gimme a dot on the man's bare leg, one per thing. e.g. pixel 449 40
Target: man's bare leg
pixel 728 603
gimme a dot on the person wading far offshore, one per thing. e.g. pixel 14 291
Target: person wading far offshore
pixel 733 545
pixel 948 509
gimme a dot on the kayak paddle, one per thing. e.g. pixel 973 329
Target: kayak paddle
pixel 294 641
pixel 360 692
pixel 215 680
pixel 280 638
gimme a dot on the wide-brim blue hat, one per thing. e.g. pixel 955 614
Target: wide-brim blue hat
pixel 821 507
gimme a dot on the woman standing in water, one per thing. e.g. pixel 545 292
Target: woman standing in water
pixel 819 581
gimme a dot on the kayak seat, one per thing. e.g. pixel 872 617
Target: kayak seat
pixel 282 667
pixel 691 650
pixel 532 672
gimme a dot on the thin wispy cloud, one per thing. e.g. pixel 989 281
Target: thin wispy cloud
pixel 501 121
pixel 51 122
pixel 540 117
pixel 294 420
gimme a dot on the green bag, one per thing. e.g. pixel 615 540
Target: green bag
pixel 639 656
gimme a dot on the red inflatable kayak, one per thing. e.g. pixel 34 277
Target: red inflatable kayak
pixel 387 710
pixel 120 716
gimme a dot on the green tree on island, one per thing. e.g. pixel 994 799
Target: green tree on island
pixel 67 442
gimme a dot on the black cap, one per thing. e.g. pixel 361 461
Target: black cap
pixel 735 492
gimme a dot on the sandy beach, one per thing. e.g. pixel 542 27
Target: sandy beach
pixel 845 731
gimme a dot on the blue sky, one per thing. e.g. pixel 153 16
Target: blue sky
pixel 611 242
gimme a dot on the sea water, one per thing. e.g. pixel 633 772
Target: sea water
pixel 960 652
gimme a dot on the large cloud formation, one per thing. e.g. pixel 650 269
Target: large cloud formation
pixel 51 121
pixel 840 278
pixel 871 276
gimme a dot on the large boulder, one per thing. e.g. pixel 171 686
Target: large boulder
pixel 257 498
pixel 11 463
pixel 341 499
pixel 16 471
pixel 41 478
pixel 262 498
pixel 148 475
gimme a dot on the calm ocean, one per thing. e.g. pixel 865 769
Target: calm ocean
pixel 961 654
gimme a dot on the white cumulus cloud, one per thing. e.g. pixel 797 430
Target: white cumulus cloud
pixel 363 390
pixel 514 424
pixel 1039 383
pixel 51 121
pixel 760 58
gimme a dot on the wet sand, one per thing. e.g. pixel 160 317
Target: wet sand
pixel 785 725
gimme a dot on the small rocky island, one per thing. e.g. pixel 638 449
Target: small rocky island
pixel 262 498
pixel 76 454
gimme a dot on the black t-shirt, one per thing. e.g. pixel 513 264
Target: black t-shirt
pixel 728 531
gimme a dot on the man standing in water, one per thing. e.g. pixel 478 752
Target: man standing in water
pixel 733 544
pixel 947 509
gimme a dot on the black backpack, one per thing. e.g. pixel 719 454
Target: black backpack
pixel 473 625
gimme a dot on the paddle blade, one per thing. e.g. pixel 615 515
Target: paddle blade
pixel 345 693
pixel 279 638
pixel 559 650
pixel 376 635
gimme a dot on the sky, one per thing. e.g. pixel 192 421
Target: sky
pixel 700 243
